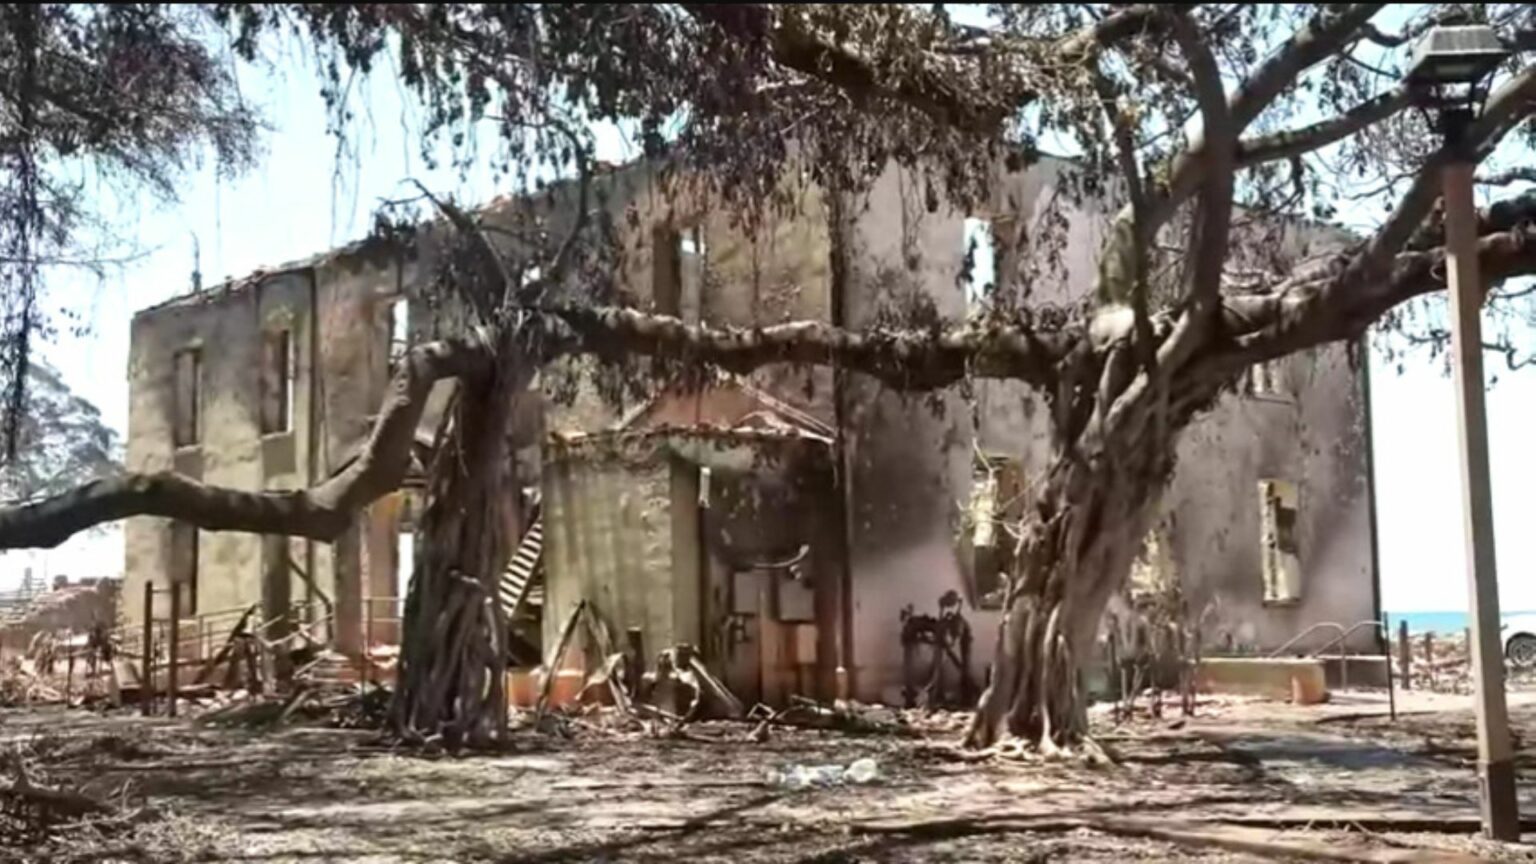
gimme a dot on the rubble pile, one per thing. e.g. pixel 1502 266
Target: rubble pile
pixel 1441 663
pixel 70 608
pixel 55 648
pixel 46 678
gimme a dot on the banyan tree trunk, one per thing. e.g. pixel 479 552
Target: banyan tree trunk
pixel 1072 558
pixel 452 674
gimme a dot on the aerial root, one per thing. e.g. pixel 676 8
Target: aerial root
pixel 1085 750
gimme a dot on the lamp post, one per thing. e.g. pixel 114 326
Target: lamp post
pixel 1454 63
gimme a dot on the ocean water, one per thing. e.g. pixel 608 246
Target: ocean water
pixel 1436 622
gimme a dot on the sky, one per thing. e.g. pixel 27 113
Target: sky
pixel 297 203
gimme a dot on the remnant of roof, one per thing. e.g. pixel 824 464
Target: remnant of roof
pixel 728 401
pixel 366 247
pixel 743 449
pixel 362 249
pixel 731 435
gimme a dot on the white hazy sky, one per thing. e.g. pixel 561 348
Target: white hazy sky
pixel 294 206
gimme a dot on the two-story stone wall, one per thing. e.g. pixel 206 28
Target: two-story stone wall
pixel 217 396
pixel 271 382
pixel 907 459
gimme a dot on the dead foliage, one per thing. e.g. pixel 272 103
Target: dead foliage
pixel 344 707
pixel 35 810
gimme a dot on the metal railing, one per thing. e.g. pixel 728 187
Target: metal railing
pixel 172 643
pixel 1341 641
pixel 165 646
pixel 380 628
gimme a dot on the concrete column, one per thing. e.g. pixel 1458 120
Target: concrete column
pixel 687 554
pixel 277 599
pixel 348 626
pixel 1496 768
pixel 381 566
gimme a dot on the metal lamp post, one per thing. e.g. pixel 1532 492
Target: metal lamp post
pixel 1455 63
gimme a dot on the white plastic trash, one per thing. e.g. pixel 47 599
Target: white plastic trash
pixel 862 771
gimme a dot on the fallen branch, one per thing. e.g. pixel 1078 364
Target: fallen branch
pixel 553 666
pixel 659 783
pixel 321 512
pixel 716 690
pixel 610 677
pixel 1218 834
pixel 30 812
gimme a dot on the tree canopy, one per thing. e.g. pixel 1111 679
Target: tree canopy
pixel 129 95
pixel 61 443
pixel 1198 121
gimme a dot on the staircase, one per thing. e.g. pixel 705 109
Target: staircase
pixel 330 669
pixel 522 576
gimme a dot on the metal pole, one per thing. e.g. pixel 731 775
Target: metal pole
pixel 174 649
pixel 147 680
pixel 1404 655
pixel 1429 658
pixel 1496 768
pixel 368 641
pixel 1383 636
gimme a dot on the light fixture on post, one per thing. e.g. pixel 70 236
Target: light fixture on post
pixel 1454 66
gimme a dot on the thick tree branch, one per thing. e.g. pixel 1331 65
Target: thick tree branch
pixel 1310 45
pixel 905 359
pixel 1341 306
pixel 902 359
pixel 1212 229
pixel 966 86
pixel 1295 142
pixel 1133 247
pixel 1395 40
pixel 321 512
pixel 1213 224
pixel 942 87
pixel 1502 215
pixel 1523 174
pixel 1320 39
pixel 1512 102
pixel 1317 41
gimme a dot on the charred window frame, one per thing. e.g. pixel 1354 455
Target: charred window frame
pixel 186 397
pixel 277 380
pixel 398 320
pixel 678 270
pixel 1280 545
pixel 978 269
pixel 997 502
pixel 1266 380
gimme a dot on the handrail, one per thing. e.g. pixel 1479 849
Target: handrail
pixel 1347 633
pixel 218 613
pixel 1337 641
pixel 311 584
pixel 297 631
pixel 1305 633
